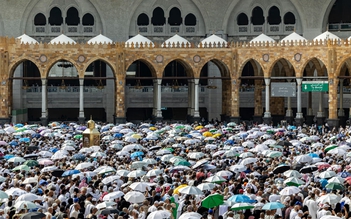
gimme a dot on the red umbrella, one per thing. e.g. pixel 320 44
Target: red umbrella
pixel 348 180
pixel 323 166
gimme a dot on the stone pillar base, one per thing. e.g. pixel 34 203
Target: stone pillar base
pixel 235 119
pixel 289 119
pixel 267 120
pixel 342 121
pixel 5 120
pixel 299 121
pixel 333 123
pixel 81 120
pixel 223 117
pixel 257 119
pixel 156 119
pixel 44 121
pixel 120 120
pixel 309 119
pixel 196 119
pixel 320 120
pixel 189 119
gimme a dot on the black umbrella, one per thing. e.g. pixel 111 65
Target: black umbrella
pixel 109 211
pixel 57 173
pixel 154 148
pixel 308 169
pixel 281 169
pixel 32 148
pixel 284 143
pixel 30 156
pixel 33 215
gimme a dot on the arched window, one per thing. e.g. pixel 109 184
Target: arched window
pixel 340 12
pixel 40 20
pixel 257 16
pixel 242 19
pixel 55 16
pixel 175 17
pixel 143 20
pixel 289 18
pixel 274 16
pixel 190 20
pixel 158 17
pixel 88 20
pixel 72 18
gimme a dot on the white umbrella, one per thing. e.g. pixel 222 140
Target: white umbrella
pixel 131 147
pixel 110 179
pixel 105 205
pixel 336 179
pixel 289 190
pixel 136 173
pixel 190 190
pixel 134 197
pixel 48 169
pixel 248 144
pixel 337 152
pixel 150 161
pixel 154 172
pixel 163 214
pixel 195 155
pixel 330 217
pixel 327 174
pixel 206 186
pixel 248 160
pixel 140 186
pixel 30 180
pixel 238 168
pixel 167 157
pixel 84 165
pixel 59 155
pixel 224 173
pixel 15 192
pixel 95 148
pixel 163 152
pixel 68 148
pixel 25 205
pixel 246 155
pixel 215 179
pixel 45 154
pixel 107 170
pixel 29 197
pixel 211 146
pixel 86 150
pixel 122 172
pixel 98 154
pixel 45 162
pixel 329 198
pixel 303 159
pixel 190 215
pixel 16 160
pixel 138 164
pixel 113 195
pixel 116 146
pixel 292 173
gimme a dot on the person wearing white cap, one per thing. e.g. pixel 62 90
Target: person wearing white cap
pixel 323 211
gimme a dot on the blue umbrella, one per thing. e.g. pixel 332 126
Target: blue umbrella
pixel 26 140
pixel 231 142
pixel 82 128
pixel 344 174
pixel 189 136
pixel 105 129
pixel 323 182
pixel 53 150
pixel 13 143
pixel 36 135
pixel 241 198
pixel 19 125
pixel 291 127
pixel 137 154
pixel 78 157
pixel 70 172
pixel 272 206
pixel 63 126
pixel 9 156
pixel 118 135
pixel 313 155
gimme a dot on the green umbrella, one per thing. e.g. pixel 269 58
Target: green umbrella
pixel 293 181
pixel 182 163
pixel 274 154
pixel 241 206
pixel 212 201
pixel 31 163
pixel 170 149
pixel 3 195
pixel 78 137
pixel 21 167
pixel 270 132
pixel 335 186
pixel 180 127
pixel 213 130
pixel 276 146
pixel 21 129
pixel 330 147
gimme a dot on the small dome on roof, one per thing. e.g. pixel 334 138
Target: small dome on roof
pixel 214 41
pixel 175 41
pixel 293 37
pixel 62 39
pixel 262 38
pixel 327 35
pixel 100 39
pixel 27 39
pixel 137 40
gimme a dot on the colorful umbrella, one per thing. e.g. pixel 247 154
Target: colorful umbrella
pixel 212 201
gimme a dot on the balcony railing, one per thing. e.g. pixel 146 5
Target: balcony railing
pixel 164 89
pixel 166 30
pixel 68 89
pixel 68 30
pixel 340 27
pixel 269 29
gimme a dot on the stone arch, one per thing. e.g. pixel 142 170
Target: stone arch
pixel 175 16
pixel 222 66
pixel 326 9
pixel 158 16
pixel 339 12
pixel 57 59
pixel 256 65
pixel 188 68
pixel 289 18
pixel 40 19
pixel 288 68
pixel 17 62
pixel 99 58
pixel 143 19
pixel 190 20
pixel 242 19
pixel 317 63
pixel 147 63
pixel 274 16
pixel 257 16
pixel 73 13
pixel 56 16
pixel 86 18
pixel 346 61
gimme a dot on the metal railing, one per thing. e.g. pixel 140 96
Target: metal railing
pixel 67 89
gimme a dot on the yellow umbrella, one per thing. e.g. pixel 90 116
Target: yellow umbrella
pixel 216 135
pixel 199 127
pixel 136 136
pixel 207 134
pixel 176 190
pixel 152 128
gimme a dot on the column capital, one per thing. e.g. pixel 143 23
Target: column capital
pixel 43 81
pixel 196 81
pixel 299 81
pixel 81 81
pixel 267 81
pixel 159 81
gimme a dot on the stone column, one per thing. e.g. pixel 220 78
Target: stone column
pixel 44 104
pixel 258 102
pixel 81 117
pixel 299 116
pixel 267 118
pixel 196 100
pixel 120 99
pixel 309 116
pixel 158 109
pixel 341 96
pixel 190 100
pixel 333 120
pixel 154 109
pixel 320 113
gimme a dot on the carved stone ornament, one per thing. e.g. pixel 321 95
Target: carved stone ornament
pixel 197 59
pixel 81 58
pixel 159 59
pixel 265 57
pixel 297 57
pixel 43 58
